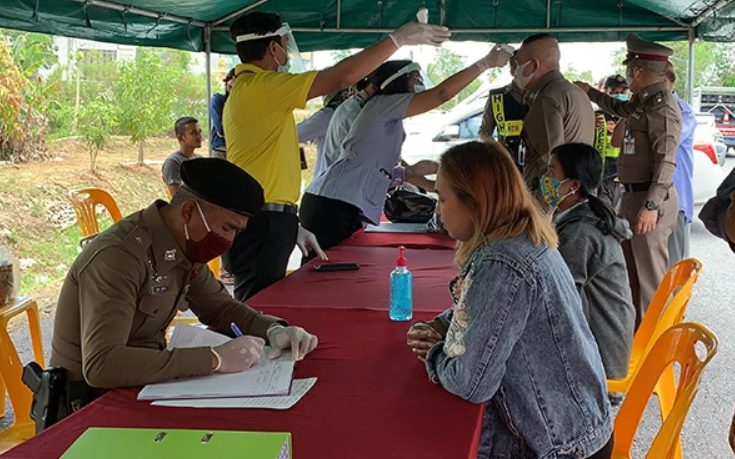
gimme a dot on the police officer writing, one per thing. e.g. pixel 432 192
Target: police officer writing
pixel 128 283
pixel 646 165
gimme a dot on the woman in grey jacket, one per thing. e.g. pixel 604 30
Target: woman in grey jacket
pixel 589 241
pixel 515 336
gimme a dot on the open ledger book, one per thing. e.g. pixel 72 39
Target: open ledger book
pixel 266 378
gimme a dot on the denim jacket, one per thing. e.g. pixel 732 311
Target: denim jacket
pixel 517 338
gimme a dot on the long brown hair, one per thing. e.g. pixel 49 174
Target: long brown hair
pixel 486 181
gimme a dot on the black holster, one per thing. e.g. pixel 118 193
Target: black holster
pixel 54 397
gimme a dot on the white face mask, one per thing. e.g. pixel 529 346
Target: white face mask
pixel 282 67
pixel 519 78
pixel 629 78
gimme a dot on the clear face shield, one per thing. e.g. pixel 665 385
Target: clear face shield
pixel 292 62
pixel 410 68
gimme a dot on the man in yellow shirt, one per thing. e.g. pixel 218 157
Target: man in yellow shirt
pixel 262 138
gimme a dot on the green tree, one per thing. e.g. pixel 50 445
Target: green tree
pixel 24 94
pixel 144 95
pixel 572 74
pixel 96 122
pixel 191 89
pixel 447 64
pixel 714 64
pixel 341 54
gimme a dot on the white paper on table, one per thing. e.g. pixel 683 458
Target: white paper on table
pixel 185 336
pixel 267 377
pixel 397 228
pixel 298 389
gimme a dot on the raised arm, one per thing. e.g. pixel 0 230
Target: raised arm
pixel 350 70
pixel 434 97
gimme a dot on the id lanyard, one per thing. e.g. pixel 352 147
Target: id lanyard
pixel 628 142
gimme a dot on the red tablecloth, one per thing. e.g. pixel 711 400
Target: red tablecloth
pixel 372 400
pixel 411 240
pixel 367 287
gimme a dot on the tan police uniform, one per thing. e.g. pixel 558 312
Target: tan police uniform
pixel 120 295
pixel 645 168
pixel 559 113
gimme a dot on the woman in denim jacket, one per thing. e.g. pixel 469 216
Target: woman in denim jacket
pixel 515 336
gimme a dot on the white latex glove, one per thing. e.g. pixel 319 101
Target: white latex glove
pixel 499 56
pixel 422 168
pixel 299 340
pixel 238 354
pixel 306 241
pixel 414 33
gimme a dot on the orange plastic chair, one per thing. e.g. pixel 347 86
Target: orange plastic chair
pixel 667 308
pixel 85 203
pixel 11 370
pixel 677 344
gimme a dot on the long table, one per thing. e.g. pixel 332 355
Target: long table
pixel 410 240
pixel 372 398
pixel 368 287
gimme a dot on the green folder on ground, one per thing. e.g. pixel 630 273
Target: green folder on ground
pixel 112 443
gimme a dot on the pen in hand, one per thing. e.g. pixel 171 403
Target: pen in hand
pixel 235 330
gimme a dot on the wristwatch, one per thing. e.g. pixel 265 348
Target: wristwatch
pixel 650 205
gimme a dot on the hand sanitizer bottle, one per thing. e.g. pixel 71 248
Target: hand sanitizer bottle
pixel 401 289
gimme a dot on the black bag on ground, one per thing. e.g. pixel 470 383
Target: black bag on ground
pixel 405 206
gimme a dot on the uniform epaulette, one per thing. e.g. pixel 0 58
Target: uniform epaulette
pixel 138 239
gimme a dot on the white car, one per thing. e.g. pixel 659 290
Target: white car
pixel 462 124
pixel 709 139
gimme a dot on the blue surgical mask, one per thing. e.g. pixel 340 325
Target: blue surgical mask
pixel 419 88
pixel 550 190
pixel 621 97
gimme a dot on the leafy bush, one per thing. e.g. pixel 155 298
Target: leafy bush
pixel 24 94
pixel 96 121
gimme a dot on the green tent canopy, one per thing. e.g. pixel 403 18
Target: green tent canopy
pixel 337 24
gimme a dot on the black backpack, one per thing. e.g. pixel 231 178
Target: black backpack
pixel 405 206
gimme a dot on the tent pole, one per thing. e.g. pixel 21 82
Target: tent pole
pixel 208 58
pixel 496 30
pixel 690 68
pixel 237 13
pixel 548 14
pixel 115 6
pixel 339 14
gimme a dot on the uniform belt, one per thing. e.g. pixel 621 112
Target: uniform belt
pixel 637 187
pixel 284 208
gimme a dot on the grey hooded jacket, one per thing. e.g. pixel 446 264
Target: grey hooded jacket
pixel 596 262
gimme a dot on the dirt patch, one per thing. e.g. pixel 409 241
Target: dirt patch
pixel 37 221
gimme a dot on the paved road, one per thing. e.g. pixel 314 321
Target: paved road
pixel 705 432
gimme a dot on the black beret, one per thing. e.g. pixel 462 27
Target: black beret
pixel 223 184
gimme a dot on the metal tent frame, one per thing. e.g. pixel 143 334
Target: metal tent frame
pixel 688 28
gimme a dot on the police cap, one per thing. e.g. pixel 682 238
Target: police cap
pixel 615 81
pixel 645 50
pixel 223 184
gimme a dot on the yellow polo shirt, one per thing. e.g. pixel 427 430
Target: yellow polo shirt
pixel 261 131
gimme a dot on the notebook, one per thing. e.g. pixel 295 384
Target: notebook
pixel 119 443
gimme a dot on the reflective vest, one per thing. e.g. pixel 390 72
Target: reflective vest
pixel 508 114
pixel 506 127
pixel 602 138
